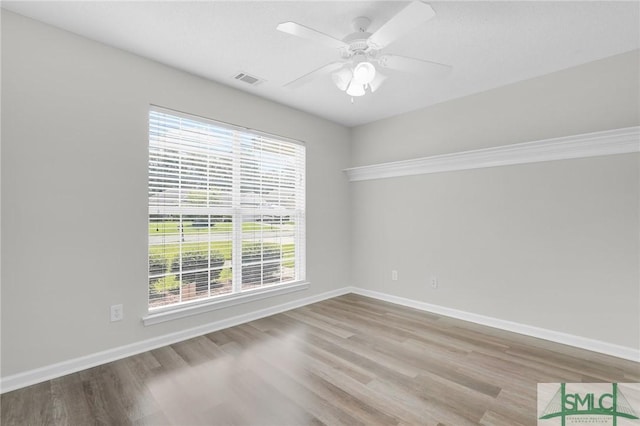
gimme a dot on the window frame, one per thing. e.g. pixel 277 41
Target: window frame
pixel 238 212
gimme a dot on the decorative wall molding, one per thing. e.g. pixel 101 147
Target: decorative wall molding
pixel 632 354
pixel 609 142
pixel 60 369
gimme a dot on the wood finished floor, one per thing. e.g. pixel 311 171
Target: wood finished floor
pixel 350 360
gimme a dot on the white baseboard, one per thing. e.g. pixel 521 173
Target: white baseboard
pixel 53 371
pixel 632 354
pixel 60 369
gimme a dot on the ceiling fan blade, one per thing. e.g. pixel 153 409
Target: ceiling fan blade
pixel 301 31
pixel 323 70
pixel 407 19
pixel 415 66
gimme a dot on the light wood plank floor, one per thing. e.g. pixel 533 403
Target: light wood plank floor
pixel 350 360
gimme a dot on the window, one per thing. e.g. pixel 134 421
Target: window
pixel 226 210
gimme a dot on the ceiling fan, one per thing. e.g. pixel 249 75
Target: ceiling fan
pixel 359 51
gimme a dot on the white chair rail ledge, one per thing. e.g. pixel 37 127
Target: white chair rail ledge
pixel 609 142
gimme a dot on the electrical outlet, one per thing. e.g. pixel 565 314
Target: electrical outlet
pixel 117 313
pixel 434 282
pixel 394 275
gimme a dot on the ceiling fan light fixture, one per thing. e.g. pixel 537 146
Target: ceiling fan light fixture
pixel 342 78
pixel 364 73
pixel 360 60
pixel 355 89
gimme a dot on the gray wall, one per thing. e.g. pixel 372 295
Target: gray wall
pixel 596 96
pixel 552 245
pixel 74 190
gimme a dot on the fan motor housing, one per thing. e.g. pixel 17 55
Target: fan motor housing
pixel 357 40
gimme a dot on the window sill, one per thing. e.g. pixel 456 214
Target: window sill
pixel 195 308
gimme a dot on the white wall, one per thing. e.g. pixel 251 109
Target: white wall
pixel 551 245
pixel 74 190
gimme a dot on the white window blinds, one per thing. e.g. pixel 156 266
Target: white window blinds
pixel 226 209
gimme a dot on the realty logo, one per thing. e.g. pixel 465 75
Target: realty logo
pixel 588 404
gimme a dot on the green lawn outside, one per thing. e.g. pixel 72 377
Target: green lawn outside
pixel 169 251
pixel 160 228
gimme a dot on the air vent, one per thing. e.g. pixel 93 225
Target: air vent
pixel 249 79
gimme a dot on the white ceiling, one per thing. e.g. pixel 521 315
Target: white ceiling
pixel 489 44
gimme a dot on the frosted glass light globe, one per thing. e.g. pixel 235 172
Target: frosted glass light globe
pixel 342 78
pixel 364 73
pixel 355 89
